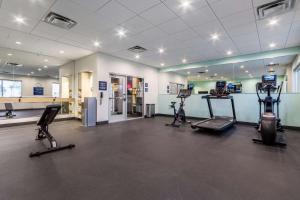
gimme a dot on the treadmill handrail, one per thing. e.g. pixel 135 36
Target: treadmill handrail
pixel 209 97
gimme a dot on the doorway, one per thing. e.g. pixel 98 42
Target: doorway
pixel 117 98
pixel 126 97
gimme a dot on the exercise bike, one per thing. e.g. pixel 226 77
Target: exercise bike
pixel 179 115
pixel 269 124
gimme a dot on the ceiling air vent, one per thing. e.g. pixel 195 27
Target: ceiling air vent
pixel 201 72
pixel 137 49
pixel 59 21
pixel 14 64
pixel 272 65
pixel 274 8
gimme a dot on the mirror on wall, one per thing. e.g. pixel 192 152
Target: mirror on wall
pixel 29 82
pixel 242 77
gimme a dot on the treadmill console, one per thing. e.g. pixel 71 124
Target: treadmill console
pixel 220 89
pixel 184 93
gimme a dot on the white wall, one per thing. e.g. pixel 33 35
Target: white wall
pixel 165 78
pixel 295 78
pixel 28 82
pixel 109 64
pixel 101 65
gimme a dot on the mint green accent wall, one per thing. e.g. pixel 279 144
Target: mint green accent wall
pixel 236 59
pixel 247 107
pixel 248 84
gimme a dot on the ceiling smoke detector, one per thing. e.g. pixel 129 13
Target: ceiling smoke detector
pixel 59 21
pixel 274 8
pixel 137 49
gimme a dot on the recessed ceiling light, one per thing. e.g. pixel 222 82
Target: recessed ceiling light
pixel 216 74
pixel 273 22
pixel 246 71
pixel 18 42
pixel 9 54
pixel 46 60
pixel 242 66
pixel 188 72
pixel 28 74
pixel 222 77
pixel 31 72
pixel 198 76
pixel 96 44
pixel 39 69
pixel 271 63
pixel 185 4
pixel 229 52
pixel 161 50
pixel 272 45
pixel 162 64
pixel 206 78
pixel 121 32
pixel 61 52
pixel 214 36
pixel 19 20
pixel 137 56
pixel 184 60
pixel 45 66
pixel 206 70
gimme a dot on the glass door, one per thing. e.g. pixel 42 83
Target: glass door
pixel 117 98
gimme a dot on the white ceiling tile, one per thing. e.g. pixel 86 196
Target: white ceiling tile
pixel 238 19
pixel 200 16
pixel 173 26
pixel 115 12
pixel 152 35
pixel 224 8
pixel 7 20
pixel 140 5
pixel 205 30
pixel 243 30
pixel 26 8
pixel 158 14
pixel 137 25
pixel 93 5
pixel 184 35
pixel 175 5
pixel 246 39
pixel 48 31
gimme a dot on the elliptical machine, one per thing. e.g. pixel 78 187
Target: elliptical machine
pixel 179 115
pixel 269 124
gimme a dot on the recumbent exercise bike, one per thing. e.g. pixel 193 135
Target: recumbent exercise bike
pixel 179 115
pixel 269 123
pixel 43 131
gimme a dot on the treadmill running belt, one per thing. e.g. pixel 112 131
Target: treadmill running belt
pixel 215 124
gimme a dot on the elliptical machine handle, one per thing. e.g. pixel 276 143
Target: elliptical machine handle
pixel 279 94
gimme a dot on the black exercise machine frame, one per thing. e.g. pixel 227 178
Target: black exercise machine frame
pixel 209 97
pixel 46 119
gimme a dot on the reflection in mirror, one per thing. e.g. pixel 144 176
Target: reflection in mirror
pixel 242 77
pixel 29 82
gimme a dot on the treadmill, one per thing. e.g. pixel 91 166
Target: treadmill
pixel 217 123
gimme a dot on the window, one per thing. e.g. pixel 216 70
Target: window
pixel 55 90
pixel 175 87
pixel 10 88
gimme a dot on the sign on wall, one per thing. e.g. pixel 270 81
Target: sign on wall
pixel 38 91
pixel 102 85
pixel 146 87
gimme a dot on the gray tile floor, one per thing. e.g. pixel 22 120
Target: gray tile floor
pixel 145 160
